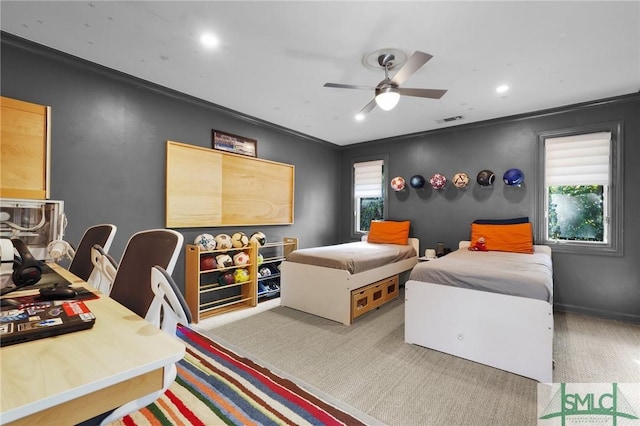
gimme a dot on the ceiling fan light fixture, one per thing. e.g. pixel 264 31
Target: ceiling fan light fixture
pixel 387 98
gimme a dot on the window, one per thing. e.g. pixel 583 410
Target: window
pixel 368 193
pixel 582 196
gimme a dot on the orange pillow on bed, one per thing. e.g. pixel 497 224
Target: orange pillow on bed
pixel 389 232
pixel 517 238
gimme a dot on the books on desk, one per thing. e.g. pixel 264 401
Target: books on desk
pixel 32 319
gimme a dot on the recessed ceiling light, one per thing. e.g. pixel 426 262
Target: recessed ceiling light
pixel 502 89
pixel 209 40
pixel 359 116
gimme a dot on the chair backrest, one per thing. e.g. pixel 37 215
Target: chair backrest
pixel 168 308
pixel 81 265
pixel 145 249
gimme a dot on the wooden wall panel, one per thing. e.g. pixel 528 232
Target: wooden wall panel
pixel 24 149
pixel 206 187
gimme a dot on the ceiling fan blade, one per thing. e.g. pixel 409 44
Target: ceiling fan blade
pixel 348 86
pixel 368 107
pixel 412 65
pixel 422 93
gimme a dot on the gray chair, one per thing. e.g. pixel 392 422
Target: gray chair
pixel 145 249
pixel 81 264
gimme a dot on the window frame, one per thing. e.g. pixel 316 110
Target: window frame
pixel 355 234
pixel 614 198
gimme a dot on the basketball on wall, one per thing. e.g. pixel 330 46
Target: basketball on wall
pixel 239 240
pixel 205 242
pixel 223 242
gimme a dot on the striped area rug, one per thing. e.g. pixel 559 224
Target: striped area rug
pixel 217 386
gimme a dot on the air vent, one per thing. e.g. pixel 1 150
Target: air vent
pixel 449 119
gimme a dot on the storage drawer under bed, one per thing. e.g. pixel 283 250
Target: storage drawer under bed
pixel 369 297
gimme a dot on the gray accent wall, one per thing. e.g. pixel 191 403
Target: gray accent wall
pixel 108 165
pixel 607 286
pixel 109 134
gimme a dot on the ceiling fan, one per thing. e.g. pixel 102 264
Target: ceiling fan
pixel 388 91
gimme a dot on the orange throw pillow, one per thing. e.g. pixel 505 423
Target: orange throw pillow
pixel 389 232
pixel 517 238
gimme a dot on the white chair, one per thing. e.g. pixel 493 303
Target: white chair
pixel 168 309
pixel 104 272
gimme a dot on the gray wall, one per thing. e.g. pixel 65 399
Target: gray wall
pixel 109 133
pixel 108 157
pixel 606 286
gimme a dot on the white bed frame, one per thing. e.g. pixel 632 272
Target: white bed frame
pixel 326 292
pixel 511 333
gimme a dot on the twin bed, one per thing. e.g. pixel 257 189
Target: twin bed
pixel 492 304
pixel 322 280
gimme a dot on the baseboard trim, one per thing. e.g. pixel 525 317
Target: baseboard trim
pixel 617 316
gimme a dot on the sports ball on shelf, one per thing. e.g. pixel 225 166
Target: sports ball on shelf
pixel 226 278
pixel 485 178
pixel 460 180
pixel 513 177
pixel 417 181
pixel 208 262
pixel 259 238
pixel 239 240
pixel 224 261
pixel 264 272
pixel 398 183
pixel 223 242
pixel 205 242
pixel 260 259
pixel 241 275
pixel 438 181
pixel 240 258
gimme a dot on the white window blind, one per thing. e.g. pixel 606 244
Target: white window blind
pixel 578 160
pixel 367 179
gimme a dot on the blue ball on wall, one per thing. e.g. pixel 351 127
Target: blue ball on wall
pixel 513 177
pixel 417 181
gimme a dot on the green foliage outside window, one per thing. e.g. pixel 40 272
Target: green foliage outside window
pixel 576 213
pixel 370 209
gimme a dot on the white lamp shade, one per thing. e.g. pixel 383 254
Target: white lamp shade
pixel 387 100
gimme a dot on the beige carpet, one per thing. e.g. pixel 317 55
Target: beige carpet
pixel 369 367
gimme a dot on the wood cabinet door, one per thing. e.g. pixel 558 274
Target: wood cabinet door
pixel 24 149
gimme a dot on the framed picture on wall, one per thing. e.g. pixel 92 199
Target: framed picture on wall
pixel 233 143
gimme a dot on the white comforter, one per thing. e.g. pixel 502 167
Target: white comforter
pixel 516 274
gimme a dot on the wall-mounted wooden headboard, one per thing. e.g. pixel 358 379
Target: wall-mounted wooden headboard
pixel 207 188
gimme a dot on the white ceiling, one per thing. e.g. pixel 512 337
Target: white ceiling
pixel 274 57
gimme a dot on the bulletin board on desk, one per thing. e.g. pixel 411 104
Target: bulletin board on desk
pixel 208 188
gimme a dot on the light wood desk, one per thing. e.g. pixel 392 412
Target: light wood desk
pixel 74 377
